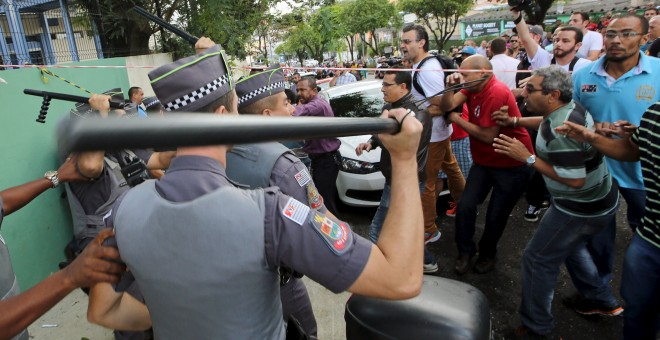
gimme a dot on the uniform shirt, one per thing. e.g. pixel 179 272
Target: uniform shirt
pixel 647 137
pixel 95 193
pixel 296 244
pixel 543 58
pixel 346 78
pixel 481 105
pixel 432 80
pixel 591 41
pixel 317 107
pixel 574 160
pixel 8 283
pixel 503 63
pixel 626 98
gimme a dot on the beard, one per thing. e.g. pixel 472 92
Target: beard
pixel 563 53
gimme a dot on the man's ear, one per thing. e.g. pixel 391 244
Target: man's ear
pixel 266 112
pixel 221 110
pixel 577 46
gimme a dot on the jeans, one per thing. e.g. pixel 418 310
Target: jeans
pixel 639 288
pixel 602 247
pixel 560 238
pixel 507 185
pixel 324 173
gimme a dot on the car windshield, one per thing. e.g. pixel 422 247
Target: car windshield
pixel 358 104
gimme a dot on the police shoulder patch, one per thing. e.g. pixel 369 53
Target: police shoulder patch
pixel 302 177
pixel 295 210
pixel 336 234
pixel 314 199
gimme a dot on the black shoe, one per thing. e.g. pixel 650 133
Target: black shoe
pixel 523 332
pixel 463 264
pixel 484 265
pixel 589 307
pixel 532 214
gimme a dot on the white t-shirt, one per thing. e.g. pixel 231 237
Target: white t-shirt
pixel 432 82
pixel 591 41
pixel 502 63
pixel 543 58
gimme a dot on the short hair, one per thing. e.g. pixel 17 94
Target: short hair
pixel 291 96
pixel 644 23
pixel 420 33
pixel 296 73
pixel 400 77
pixel 578 32
pixel 498 45
pixel 311 81
pixel 226 100
pixel 584 15
pixel 652 9
pixel 556 78
pixel 260 105
pixel 132 91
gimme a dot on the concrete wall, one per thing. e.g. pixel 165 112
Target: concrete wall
pixel 138 76
pixel 37 234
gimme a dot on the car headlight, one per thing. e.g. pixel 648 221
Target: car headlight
pixel 355 166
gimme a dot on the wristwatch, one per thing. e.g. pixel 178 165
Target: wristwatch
pixel 52 176
pixel 531 160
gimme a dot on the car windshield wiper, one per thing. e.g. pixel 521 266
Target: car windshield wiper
pixel 465 85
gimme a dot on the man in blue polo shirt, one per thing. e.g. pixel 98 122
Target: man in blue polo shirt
pixel 619 86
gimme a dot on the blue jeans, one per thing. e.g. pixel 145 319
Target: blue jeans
pixel 602 246
pixel 560 238
pixel 379 219
pixel 507 185
pixel 639 288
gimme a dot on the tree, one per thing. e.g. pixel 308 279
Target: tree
pixel 440 17
pixel 366 16
pixel 293 43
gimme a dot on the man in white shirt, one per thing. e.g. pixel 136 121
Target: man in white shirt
pixel 592 42
pixel 503 65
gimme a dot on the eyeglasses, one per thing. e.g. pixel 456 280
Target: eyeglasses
pixel 408 41
pixel 384 84
pixel 514 41
pixel 531 89
pixel 623 35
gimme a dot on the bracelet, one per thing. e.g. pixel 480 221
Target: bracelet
pixel 515 121
pixel 517 20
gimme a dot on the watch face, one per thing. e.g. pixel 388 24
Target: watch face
pixel 50 174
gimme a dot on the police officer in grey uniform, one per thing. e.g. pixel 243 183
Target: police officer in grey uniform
pixel 272 164
pixel 206 254
pixel 17 311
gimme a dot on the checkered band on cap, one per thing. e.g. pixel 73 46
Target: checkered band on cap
pixel 259 86
pixel 181 102
pixel 191 84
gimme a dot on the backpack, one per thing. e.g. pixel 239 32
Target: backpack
pixel 446 63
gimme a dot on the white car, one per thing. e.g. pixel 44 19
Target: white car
pixel 360 182
pixel 311 63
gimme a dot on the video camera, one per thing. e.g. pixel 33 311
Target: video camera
pixel 520 5
pixel 134 170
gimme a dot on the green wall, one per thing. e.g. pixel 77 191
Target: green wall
pixel 36 235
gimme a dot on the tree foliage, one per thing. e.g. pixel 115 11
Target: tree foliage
pixel 366 16
pixel 440 17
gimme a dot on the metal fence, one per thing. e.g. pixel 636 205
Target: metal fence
pixel 44 32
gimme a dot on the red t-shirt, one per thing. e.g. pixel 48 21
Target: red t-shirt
pixel 458 132
pixel 480 105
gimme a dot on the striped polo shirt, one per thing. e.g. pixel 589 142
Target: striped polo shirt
pixel 647 137
pixel 573 160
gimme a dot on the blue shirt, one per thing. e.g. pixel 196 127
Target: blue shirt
pixel 625 98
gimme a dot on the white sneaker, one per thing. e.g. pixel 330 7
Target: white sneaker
pixel 430 267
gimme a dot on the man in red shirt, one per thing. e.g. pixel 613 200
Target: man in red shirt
pixel 506 177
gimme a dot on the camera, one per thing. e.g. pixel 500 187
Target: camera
pixel 135 171
pixel 519 5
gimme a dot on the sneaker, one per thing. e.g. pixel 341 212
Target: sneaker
pixel 590 307
pixel 430 267
pixel 431 237
pixel 452 209
pixel 532 214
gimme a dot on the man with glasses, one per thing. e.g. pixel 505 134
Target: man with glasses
pixel 428 81
pixel 575 173
pixel 514 44
pixel 619 86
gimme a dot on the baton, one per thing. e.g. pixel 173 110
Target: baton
pixel 193 129
pixel 465 85
pixel 68 97
pixel 181 33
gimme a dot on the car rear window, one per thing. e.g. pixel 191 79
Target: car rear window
pixel 366 103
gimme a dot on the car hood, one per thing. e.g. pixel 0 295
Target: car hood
pixel 348 145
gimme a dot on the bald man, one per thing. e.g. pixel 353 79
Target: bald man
pixel 506 177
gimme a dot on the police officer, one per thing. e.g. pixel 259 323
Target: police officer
pixel 206 253
pixel 272 164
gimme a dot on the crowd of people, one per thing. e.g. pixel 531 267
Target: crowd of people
pixel 573 128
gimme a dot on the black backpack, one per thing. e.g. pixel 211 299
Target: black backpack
pixel 446 63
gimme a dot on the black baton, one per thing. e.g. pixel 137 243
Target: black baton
pixel 68 97
pixel 181 33
pixel 206 129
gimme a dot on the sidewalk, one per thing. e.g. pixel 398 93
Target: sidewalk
pixel 68 319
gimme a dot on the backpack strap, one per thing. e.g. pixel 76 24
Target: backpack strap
pixel 570 66
pixel 415 81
